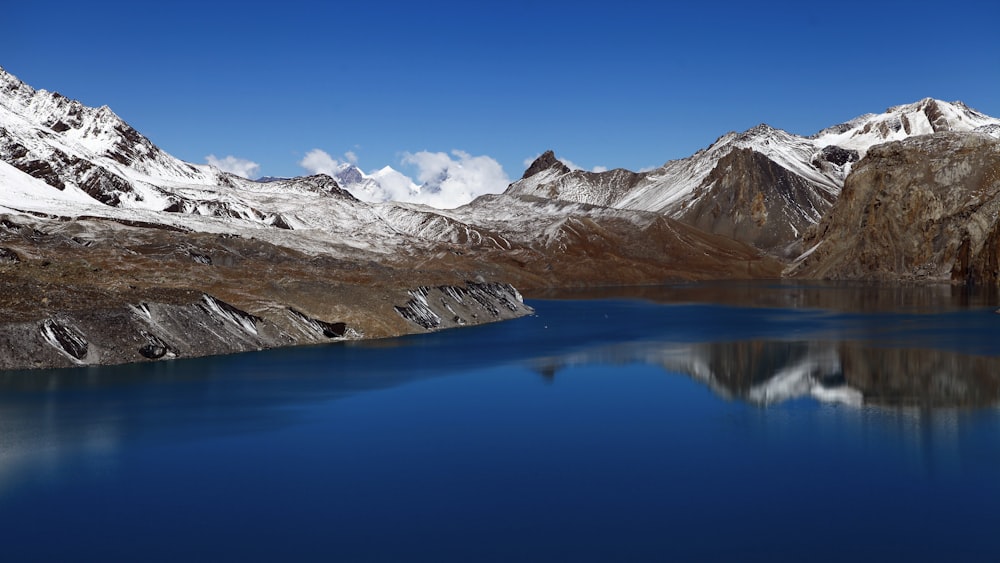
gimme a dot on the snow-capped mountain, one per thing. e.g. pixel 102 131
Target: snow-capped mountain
pixel 70 145
pixel 47 171
pixel 89 161
pixel 900 122
pixel 105 238
pixel 764 185
pixel 385 184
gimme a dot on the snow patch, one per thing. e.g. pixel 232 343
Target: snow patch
pixel 223 310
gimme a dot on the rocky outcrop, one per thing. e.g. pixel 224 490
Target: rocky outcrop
pixel 834 155
pixel 925 208
pixel 207 325
pixel 139 332
pixel 93 291
pixel 547 161
pixel 450 306
pixel 550 178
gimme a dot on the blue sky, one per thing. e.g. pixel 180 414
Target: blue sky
pixel 610 84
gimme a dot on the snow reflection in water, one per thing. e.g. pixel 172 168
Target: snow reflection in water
pixel 897 401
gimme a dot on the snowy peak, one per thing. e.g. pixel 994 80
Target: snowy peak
pixel 348 174
pixel 385 184
pixel 47 127
pixel 12 88
pixel 899 122
pixel 547 161
pixel 759 134
pixel 764 185
pixel 943 116
pixel 550 178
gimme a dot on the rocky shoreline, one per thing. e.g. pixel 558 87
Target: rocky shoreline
pixel 205 326
pixel 94 292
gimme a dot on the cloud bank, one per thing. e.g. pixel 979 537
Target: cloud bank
pixel 442 180
pixel 318 161
pixel 449 180
pixel 234 165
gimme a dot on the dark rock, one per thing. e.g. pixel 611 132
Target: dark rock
pixel 329 330
pixel 65 338
pixel 835 155
pixel 153 348
pixel 201 258
pixel 546 161
pixel 8 256
pixel 278 222
pixel 101 184
pixel 42 170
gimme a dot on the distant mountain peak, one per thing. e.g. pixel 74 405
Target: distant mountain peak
pixel 546 161
pixel 925 116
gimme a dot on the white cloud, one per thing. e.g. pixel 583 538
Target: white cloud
pixel 443 180
pixel 395 185
pixel 599 169
pixel 450 180
pixel 317 161
pixel 234 165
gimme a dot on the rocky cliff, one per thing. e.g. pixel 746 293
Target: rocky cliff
pixel 924 208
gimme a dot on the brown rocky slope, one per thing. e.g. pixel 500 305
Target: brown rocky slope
pixel 925 208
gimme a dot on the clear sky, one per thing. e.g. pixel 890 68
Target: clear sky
pixel 604 84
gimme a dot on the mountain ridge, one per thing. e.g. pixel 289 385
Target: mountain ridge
pixel 98 225
pixel 112 250
pixel 686 189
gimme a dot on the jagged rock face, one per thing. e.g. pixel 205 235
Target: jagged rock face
pixel 750 198
pixel 837 156
pixel 550 178
pixel 923 117
pixel 547 161
pixel 444 306
pixel 58 168
pixel 922 208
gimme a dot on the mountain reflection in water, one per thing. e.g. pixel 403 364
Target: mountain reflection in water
pixel 431 447
pixel 927 346
pixel 771 371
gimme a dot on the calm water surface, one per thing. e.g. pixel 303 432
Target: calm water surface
pixel 735 422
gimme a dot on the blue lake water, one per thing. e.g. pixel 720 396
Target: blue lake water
pixel 751 422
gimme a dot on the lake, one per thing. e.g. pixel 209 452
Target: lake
pixel 691 422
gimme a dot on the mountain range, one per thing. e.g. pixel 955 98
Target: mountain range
pixel 100 227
